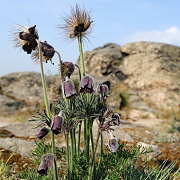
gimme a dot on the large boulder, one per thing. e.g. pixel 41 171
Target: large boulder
pixel 151 70
pixel 24 89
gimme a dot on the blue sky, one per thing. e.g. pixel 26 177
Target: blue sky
pixel 116 21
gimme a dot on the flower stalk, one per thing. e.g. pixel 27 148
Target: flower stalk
pixel 81 55
pixel 47 107
pixel 94 157
pixel 67 155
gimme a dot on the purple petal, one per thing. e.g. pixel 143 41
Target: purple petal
pixel 87 84
pixel 69 88
pixel 42 132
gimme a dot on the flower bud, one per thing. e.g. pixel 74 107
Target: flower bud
pixel 42 132
pixel 87 84
pixel 69 88
pixel 46 163
pixel 103 91
pixel 113 143
pixel 57 124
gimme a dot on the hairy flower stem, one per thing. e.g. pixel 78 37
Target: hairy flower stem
pixel 47 108
pixel 88 132
pixel 92 140
pixel 79 137
pixel 60 65
pixel 72 146
pixel 100 158
pixel 67 155
pixel 94 157
pixel 81 55
pixel 85 135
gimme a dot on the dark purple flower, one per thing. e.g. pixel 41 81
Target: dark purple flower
pixel 47 52
pixel 29 37
pixel 67 68
pixel 69 89
pixel 57 124
pixel 113 143
pixel 87 84
pixel 42 132
pixel 115 119
pixel 46 163
pixel 25 38
pixel 103 91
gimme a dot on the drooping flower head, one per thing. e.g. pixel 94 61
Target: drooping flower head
pixel 113 143
pixel 87 84
pixel 57 124
pixel 47 52
pixel 69 89
pixel 42 132
pixel 103 91
pixel 46 163
pixel 79 21
pixel 67 69
pixel 115 119
pixel 25 38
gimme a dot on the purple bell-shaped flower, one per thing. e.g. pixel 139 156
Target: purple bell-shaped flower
pixel 57 124
pixel 103 91
pixel 42 132
pixel 69 89
pixel 113 143
pixel 46 163
pixel 87 84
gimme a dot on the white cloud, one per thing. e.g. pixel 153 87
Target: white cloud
pixel 170 36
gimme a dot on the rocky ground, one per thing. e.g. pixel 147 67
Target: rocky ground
pixel 19 137
pixel 143 79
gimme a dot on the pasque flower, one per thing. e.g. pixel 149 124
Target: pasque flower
pixel 69 89
pixel 47 52
pixel 42 132
pixel 77 22
pixel 113 143
pixel 57 124
pixel 103 91
pixel 87 84
pixel 25 38
pixel 46 163
pixel 67 69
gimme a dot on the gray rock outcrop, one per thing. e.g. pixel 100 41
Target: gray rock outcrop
pixel 152 70
pixel 24 89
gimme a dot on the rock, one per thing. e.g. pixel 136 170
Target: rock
pixel 120 135
pixel 21 129
pixel 5 133
pixel 141 114
pixel 156 151
pixel 24 89
pixel 20 146
pixel 152 70
pixel 9 104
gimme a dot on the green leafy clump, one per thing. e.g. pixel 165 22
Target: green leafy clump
pixel 114 166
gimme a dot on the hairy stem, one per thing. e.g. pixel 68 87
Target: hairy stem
pixel 79 137
pixel 47 108
pixel 81 55
pixel 67 155
pixel 94 157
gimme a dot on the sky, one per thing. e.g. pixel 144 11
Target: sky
pixel 114 21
